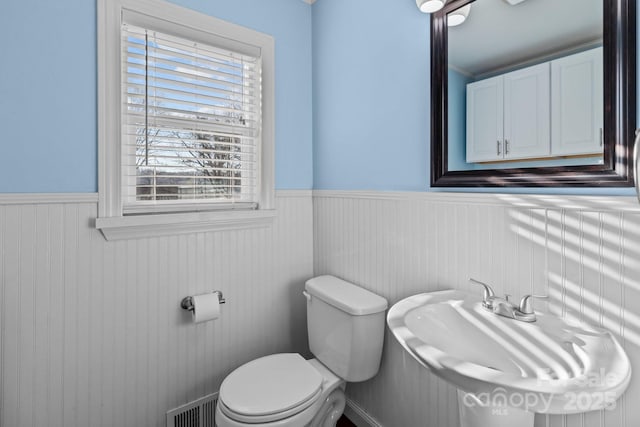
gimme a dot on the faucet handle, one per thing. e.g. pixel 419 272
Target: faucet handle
pixel 488 291
pixel 526 306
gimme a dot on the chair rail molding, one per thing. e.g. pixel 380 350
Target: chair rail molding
pixel 542 201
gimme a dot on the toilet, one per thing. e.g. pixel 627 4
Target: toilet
pixel 346 330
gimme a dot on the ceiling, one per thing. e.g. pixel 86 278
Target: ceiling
pixel 497 35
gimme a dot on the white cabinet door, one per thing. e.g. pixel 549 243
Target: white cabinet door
pixel 577 104
pixel 527 113
pixel 484 120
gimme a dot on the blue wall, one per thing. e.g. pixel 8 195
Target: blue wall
pixel 368 62
pixel 48 96
pixel 370 95
pixel 371 98
pixel 49 57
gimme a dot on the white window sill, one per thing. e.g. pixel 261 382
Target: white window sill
pixel 140 226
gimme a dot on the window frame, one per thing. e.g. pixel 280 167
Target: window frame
pixel 111 220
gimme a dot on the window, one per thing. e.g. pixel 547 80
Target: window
pixel 190 123
pixel 185 120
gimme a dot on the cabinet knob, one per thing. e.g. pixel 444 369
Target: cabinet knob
pixel 506 147
pixel 498 146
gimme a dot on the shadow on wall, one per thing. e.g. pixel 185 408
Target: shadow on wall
pixel 584 252
pixel 593 274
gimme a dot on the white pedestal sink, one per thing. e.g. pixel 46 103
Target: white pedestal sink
pixel 507 370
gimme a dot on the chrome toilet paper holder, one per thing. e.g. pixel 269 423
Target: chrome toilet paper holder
pixel 187 302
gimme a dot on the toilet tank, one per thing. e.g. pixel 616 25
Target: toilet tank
pixel 346 327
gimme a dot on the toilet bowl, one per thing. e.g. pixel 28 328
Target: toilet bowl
pixel 346 331
pixel 281 390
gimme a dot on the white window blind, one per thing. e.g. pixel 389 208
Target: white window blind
pixel 191 121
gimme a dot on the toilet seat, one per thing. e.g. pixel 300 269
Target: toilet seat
pixel 270 388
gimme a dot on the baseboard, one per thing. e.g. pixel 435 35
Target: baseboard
pixel 358 416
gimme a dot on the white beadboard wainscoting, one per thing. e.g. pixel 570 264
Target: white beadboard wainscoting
pixel 92 334
pixel 582 251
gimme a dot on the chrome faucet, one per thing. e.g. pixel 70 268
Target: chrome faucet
pixel 503 307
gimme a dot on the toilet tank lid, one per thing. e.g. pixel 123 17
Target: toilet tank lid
pixel 345 296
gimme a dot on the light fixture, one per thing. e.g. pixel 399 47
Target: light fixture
pixel 458 16
pixel 430 6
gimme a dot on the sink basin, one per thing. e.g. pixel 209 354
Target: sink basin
pixel 552 365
